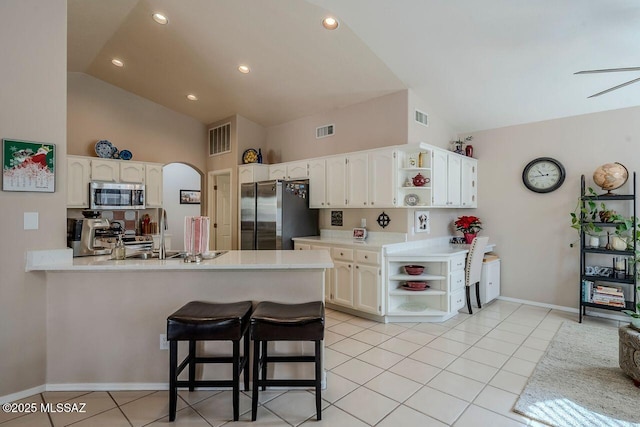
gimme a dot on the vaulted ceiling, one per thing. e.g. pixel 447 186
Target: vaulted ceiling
pixel 478 64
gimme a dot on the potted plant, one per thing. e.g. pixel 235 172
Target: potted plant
pixel 469 225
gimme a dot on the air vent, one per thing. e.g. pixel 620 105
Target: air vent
pixel 220 139
pixel 325 131
pixel 422 118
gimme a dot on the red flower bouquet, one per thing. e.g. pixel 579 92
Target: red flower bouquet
pixel 468 224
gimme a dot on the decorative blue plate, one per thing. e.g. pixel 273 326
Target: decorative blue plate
pixel 125 155
pixel 104 149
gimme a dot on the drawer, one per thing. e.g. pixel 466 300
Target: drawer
pixel 342 254
pixel 458 263
pixel 457 300
pixel 368 257
pixel 457 280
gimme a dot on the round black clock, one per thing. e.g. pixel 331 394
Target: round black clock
pixel 543 175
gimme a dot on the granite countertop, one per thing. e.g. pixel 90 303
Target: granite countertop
pixel 62 260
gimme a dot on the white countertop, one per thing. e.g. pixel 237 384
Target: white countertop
pixel 439 250
pixel 374 241
pixel 57 260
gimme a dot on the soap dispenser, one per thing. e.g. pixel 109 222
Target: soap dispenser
pixel 119 251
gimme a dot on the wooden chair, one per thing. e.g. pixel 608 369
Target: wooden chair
pixel 473 270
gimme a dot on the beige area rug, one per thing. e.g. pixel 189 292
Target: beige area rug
pixel 578 382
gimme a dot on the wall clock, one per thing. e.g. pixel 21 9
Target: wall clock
pixel 543 175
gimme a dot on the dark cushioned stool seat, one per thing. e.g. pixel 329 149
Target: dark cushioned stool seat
pixel 206 321
pixel 272 321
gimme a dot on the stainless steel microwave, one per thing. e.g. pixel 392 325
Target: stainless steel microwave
pixel 111 195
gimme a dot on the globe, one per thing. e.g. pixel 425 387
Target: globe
pixel 610 176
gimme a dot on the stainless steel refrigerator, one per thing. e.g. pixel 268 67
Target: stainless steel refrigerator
pixel 273 212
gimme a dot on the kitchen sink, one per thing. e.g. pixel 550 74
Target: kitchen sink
pixel 172 255
pixel 156 255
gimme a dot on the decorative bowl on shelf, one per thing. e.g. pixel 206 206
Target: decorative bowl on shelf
pixel 413 270
pixel 416 285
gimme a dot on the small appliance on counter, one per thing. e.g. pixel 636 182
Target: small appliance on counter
pixel 82 236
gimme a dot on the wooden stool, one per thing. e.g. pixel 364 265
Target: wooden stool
pixel 286 322
pixel 204 321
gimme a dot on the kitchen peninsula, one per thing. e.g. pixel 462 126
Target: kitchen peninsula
pixel 105 317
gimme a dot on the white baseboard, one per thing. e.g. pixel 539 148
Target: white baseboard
pixel 592 312
pixel 22 394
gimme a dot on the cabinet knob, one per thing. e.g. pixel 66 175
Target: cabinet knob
pixel 357 266
pixel 366 257
pixel 364 203
pixel 322 203
pixel 341 254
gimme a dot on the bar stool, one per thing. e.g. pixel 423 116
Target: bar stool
pixel 204 321
pixel 272 321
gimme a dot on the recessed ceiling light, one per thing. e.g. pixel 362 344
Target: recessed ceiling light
pixel 244 69
pixel 330 23
pixel 160 18
pixel 192 97
pixel 117 62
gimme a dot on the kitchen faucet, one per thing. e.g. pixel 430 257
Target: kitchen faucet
pixel 162 252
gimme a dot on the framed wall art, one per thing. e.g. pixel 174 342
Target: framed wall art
pixel 189 197
pixel 28 166
pixel 421 222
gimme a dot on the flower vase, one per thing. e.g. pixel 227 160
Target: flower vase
pixel 468 237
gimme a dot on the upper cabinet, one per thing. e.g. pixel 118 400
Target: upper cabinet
pixel 78 177
pixel 153 188
pixel 288 171
pixel 448 180
pixel 317 183
pixel 417 175
pixel 253 172
pixel 82 170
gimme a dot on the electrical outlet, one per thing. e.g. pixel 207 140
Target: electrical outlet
pixel 164 344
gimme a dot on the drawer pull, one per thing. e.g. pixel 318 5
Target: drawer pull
pixel 366 257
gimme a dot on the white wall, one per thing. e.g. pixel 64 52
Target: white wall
pixel 176 177
pixel 33 42
pixel 532 231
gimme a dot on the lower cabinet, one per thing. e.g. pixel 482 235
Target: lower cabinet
pixel 355 279
pixel 490 281
pixel 444 296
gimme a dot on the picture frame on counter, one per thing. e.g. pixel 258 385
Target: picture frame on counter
pixel 28 166
pixel 189 197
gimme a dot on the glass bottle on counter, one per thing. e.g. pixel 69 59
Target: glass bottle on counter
pixel 119 251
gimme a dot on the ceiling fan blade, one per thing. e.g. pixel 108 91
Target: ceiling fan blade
pixel 608 70
pixel 615 87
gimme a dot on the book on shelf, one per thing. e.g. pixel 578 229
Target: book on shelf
pixel 587 290
pixel 609 290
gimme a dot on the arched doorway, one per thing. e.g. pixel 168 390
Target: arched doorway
pixel 178 177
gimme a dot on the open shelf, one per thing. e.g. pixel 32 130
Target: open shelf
pixel 425 292
pixel 416 278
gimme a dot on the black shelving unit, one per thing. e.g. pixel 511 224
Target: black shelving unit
pixel 628 281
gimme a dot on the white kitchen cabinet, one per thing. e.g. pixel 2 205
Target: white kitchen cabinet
pixel 367 282
pixel 132 172
pixel 278 171
pixel 153 185
pixel 342 280
pixel 317 183
pixel 490 281
pixel 105 170
pixel 446 176
pixel 382 180
pixel 301 247
pixel 469 177
pixel 253 172
pixel 78 178
pixel 336 179
pixel 297 170
pixel 357 180
pixel 328 273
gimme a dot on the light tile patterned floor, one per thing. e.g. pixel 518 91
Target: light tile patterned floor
pixel 467 371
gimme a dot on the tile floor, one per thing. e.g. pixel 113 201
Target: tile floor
pixel 467 371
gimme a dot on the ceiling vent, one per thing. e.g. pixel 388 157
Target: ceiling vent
pixel 422 118
pixel 220 139
pixel 325 131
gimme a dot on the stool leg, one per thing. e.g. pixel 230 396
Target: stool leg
pixel 236 380
pixel 245 360
pixel 192 365
pixel 468 299
pixel 318 381
pixel 256 379
pixel 173 390
pixel 478 294
pixel 264 356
